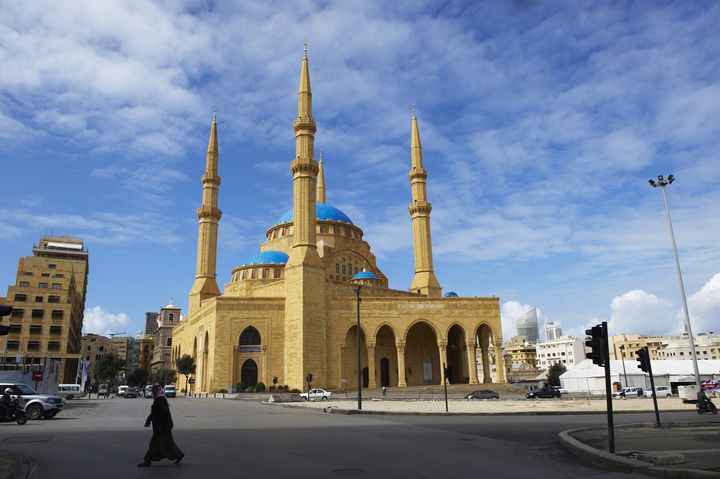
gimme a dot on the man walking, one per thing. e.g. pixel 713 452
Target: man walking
pixel 162 445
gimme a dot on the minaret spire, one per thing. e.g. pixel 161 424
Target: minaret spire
pixel 205 285
pixel 321 182
pixel 424 281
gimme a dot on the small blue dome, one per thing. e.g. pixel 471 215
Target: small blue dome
pixel 451 294
pixel 323 212
pixel 268 257
pixel 365 275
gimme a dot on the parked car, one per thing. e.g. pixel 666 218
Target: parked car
pixel 483 394
pixel 103 390
pixel 148 391
pixel 543 393
pixel 628 393
pixel 560 389
pixel 70 391
pixel 121 390
pixel 660 391
pixel 35 405
pixel 316 395
pixel 170 391
pixel 131 392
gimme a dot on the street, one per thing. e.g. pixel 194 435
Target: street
pixel 106 439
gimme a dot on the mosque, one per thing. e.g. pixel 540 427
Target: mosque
pixel 292 308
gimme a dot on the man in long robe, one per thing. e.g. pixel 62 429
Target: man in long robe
pixel 162 445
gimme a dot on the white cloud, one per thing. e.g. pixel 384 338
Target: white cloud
pixel 704 307
pixel 99 321
pixel 641 312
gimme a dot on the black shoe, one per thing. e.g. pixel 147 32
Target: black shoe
pixel 177 461
pixel 144 464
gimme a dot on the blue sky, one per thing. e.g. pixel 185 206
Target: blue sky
pixel 541 123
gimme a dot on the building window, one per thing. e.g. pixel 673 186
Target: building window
pixel 168 343
pixel 337 278
pixel 172 316
pixel 13 345
pixel 323 229
pixel 53 346
pixel 343 269
pixel 52 266
pixel 101 348
pixel 45 275
pixel 20 297
pixel 35 329
pixel 17 313
pixel 38 313
pixel 15 328
pixel 253 274
pixel 276 273
pixel 33 345
pixel 42 285
pixel 264 273
pixel 53 299
pixel 27 273
pixel 38 299
pixel 337 267
pixel 55 329
pixel 57 314
pixel 24 284
pixel 59 275
pixel 56 286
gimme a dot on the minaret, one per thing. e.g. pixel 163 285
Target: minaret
pixel 305 326
pixel 321 182
pixel 209 214
pixel 424 281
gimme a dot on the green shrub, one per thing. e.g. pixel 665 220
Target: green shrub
pixel 240 387
pixel 250 389
pixel 260 387
pixel 222 390
pixel 295 391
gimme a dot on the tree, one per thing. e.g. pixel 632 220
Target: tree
pixel 186 366
pixel 553 375
pixel 163 376
pixel 138 377
pixel 107 367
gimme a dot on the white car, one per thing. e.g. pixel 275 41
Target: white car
pixel 628 393
pixel 316 395
pixel 660 391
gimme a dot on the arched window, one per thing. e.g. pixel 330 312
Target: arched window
pixel 276 273
pixel 337 267
pixel 168 343
pixel 171 317
pixel 242 275
pixel 343 269
pixel 264 273
pixel 337 278
pixel 250 337
pixel 253 274
pixel 323 229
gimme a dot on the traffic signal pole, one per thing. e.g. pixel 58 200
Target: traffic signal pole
pixel 646 366
pixel 608 388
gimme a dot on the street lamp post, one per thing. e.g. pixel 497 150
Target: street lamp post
pixel 622 356
pixel 663 183
pixel 359 363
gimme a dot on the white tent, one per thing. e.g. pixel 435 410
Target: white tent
pixel 589 378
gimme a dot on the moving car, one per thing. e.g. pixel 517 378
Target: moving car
pixel 170 391
pixel 70 391
pixel 660 391
pixel 131 392
pixel 483 394
pixel 628 393
pixel 543 393
pixel 35 405
pixel 316 395
pixel 561 389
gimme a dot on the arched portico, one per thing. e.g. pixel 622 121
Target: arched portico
pixel 457 359
pixel 489 344
pixel 422 355
pixel 349 358
pixel 248 360
pixel 386 358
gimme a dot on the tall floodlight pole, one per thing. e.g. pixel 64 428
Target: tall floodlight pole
pixel 622 356
pixel 359 363
pixel 663 183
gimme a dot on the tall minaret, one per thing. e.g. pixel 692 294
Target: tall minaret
pixel 305 347
pixel 321 182
pixel 209 214
pixel 424 281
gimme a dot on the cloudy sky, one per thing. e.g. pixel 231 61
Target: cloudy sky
pixel 541 123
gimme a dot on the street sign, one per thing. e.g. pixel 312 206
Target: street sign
pixel 37 376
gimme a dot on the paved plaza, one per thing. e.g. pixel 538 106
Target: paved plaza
pixel 106 439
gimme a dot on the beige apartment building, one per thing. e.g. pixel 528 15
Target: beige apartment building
pixel 166 320
pixel 625 346
pixel 48 301
pixel 93 348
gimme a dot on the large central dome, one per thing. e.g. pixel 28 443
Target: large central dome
pixel 323 212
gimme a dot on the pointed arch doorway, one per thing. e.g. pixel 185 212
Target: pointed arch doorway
pixel 249 373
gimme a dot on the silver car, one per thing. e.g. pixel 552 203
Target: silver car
pixel 35 405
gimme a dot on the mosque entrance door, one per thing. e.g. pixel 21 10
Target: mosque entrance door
pixel 384 372
pixel 249 373
pixel 366 377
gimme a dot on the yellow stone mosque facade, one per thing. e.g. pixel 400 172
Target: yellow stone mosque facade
pixel 292 309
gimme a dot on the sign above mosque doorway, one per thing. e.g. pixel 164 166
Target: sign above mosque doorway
pixel 249 349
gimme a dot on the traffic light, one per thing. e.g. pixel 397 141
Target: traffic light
pixel 643 359
pixel 4 311
pixel 595 343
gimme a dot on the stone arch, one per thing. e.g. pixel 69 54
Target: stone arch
pixel 249 372
pixel 484 341
pixel 456 354
pixel 249 336
pixel 422 354
pixel 386 356
pixel 349 357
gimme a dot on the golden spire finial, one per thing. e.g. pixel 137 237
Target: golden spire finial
pixel 305 48
pixel 413 110
pixel 320 154
pixel 214 113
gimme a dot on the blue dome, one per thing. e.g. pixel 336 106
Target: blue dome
pixel 365 275
pixel 268 257
pixel 451 294
pixel 323 212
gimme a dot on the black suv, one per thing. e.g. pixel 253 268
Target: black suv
pixel 543 393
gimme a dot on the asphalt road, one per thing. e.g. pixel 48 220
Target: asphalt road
pixel 232 438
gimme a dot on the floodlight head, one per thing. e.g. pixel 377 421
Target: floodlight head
pixel 652 183
pixel 671 178
pixel 660 178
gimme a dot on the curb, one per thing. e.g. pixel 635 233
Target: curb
pixel 619 463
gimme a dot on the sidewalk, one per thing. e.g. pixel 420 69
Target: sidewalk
pixel 14 467
pixel 675 450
